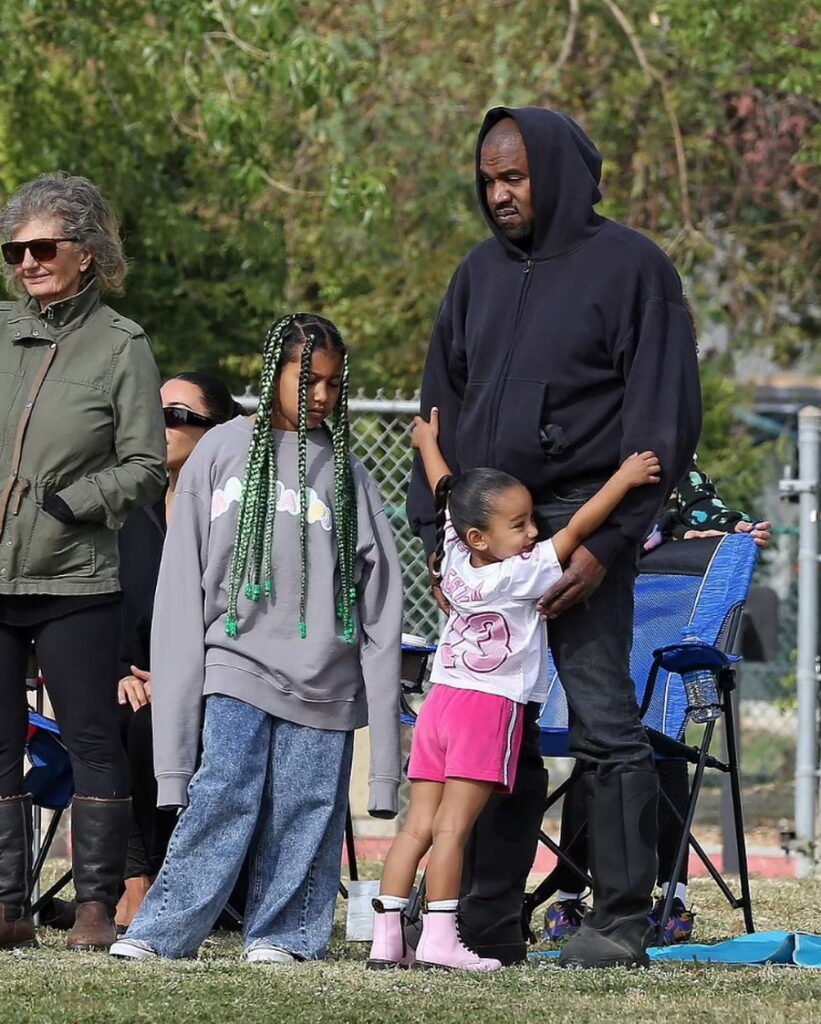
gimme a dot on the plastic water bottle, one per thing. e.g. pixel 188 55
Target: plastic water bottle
pixel 700 686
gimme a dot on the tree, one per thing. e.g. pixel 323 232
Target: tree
pixel 277 155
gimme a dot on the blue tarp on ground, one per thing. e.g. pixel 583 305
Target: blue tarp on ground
pixel 796 949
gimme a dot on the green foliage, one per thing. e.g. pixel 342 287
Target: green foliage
pixel 273 156
pixel 727 449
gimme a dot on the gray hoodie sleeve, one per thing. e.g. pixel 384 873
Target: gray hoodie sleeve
pixel 380 615
pixel 178 640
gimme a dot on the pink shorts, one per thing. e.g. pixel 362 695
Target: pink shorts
pixel 464 734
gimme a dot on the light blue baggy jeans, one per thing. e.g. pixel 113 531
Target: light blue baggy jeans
pixel 277 792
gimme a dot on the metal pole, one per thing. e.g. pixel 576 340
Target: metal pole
pixel 729 841
pixel 37 816
pixel 806 759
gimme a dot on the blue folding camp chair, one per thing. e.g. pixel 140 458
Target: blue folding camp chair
pixel 702 584
pixel 51 784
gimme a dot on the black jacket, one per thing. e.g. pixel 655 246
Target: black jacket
pixel 556 363
pixel 140 542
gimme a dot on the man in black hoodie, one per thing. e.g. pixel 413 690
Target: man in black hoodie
pixel 561 347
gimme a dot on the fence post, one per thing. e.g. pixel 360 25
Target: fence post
pixel 806 756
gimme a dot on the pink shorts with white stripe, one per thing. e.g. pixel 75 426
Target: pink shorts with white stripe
pixel 464 734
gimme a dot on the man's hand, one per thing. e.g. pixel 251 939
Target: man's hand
pixel 436 588
pixel 135 689
pixel 583 574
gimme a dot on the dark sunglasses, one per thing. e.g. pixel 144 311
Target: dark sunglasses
pixel 178 417
pixel 42 249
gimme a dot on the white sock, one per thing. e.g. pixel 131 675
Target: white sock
pixel 562 896
pixel 448 905
pixel 681 891
pixel 393 902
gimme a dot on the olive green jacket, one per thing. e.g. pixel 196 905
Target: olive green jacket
pixel 80 418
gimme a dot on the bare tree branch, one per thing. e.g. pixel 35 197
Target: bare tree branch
pixel 192 133
pixel 214 50
pixel 569 36
pixel 230 35
pixel 289 190
pixel 654 75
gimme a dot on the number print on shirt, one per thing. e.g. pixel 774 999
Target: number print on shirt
pixel 484 632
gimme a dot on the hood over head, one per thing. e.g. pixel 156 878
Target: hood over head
pixel 565 170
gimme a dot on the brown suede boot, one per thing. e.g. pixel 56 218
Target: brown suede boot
pixel 16 925
pixel 99 837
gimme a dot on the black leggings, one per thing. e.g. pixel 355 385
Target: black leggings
pixel 78 655
pixel 674 784
pixel 151 826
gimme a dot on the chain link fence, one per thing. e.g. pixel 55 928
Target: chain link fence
pixel 380 426
pixel 381 438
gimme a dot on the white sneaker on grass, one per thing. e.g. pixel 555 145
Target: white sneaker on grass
pixel 132 949
pixel 265 953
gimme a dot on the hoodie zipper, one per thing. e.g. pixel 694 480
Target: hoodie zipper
pixel 497 396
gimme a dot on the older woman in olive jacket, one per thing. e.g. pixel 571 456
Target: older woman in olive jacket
pixel 82 443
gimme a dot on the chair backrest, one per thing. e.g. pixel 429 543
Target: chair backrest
pixel 700 583
pixel 49 780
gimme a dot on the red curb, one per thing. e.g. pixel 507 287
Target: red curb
pixel 765 865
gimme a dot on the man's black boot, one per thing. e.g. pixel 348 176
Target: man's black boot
pixel 622 841
pixel 16 925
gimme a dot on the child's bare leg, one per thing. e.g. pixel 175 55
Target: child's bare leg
pixel 461 804
pixel 414 839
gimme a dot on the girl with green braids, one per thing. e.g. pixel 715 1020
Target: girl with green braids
pixel 276 633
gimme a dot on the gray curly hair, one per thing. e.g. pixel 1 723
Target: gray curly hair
pixel 84 213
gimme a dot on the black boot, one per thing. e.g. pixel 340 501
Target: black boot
pixel 16 925
pixel 499 858
pixel 99 841
pixel 622 841
pixel 59 914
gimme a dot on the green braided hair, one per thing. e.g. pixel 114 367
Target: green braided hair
pixel 296 336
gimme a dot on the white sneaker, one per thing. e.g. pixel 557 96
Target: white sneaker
pixel 264 953
pixel 133 949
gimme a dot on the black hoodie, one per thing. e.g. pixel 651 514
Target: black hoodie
pixel 556 363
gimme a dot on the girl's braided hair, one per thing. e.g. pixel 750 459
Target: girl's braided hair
pixel 297 335
pixel 472 501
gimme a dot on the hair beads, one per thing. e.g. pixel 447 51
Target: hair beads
pixel 302 469
pixel 252 558
pixel 345 508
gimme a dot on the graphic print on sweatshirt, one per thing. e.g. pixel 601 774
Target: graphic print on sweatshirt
pixel 287 501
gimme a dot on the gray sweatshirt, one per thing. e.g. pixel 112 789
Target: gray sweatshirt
pixel 320 681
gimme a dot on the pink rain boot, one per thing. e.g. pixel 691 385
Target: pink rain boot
pixel 441 945
pixel 388 950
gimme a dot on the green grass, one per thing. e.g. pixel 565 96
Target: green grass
pixel 51 986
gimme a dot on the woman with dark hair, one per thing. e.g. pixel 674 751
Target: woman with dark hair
pixel 81 445
pixel 192 403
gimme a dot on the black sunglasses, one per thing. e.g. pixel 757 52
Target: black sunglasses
pixel 42 249
pixel 175 416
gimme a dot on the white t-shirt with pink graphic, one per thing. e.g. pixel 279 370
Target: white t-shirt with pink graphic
pixel 494 640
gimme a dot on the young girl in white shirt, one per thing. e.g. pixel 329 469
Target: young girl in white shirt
pixel 490 662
